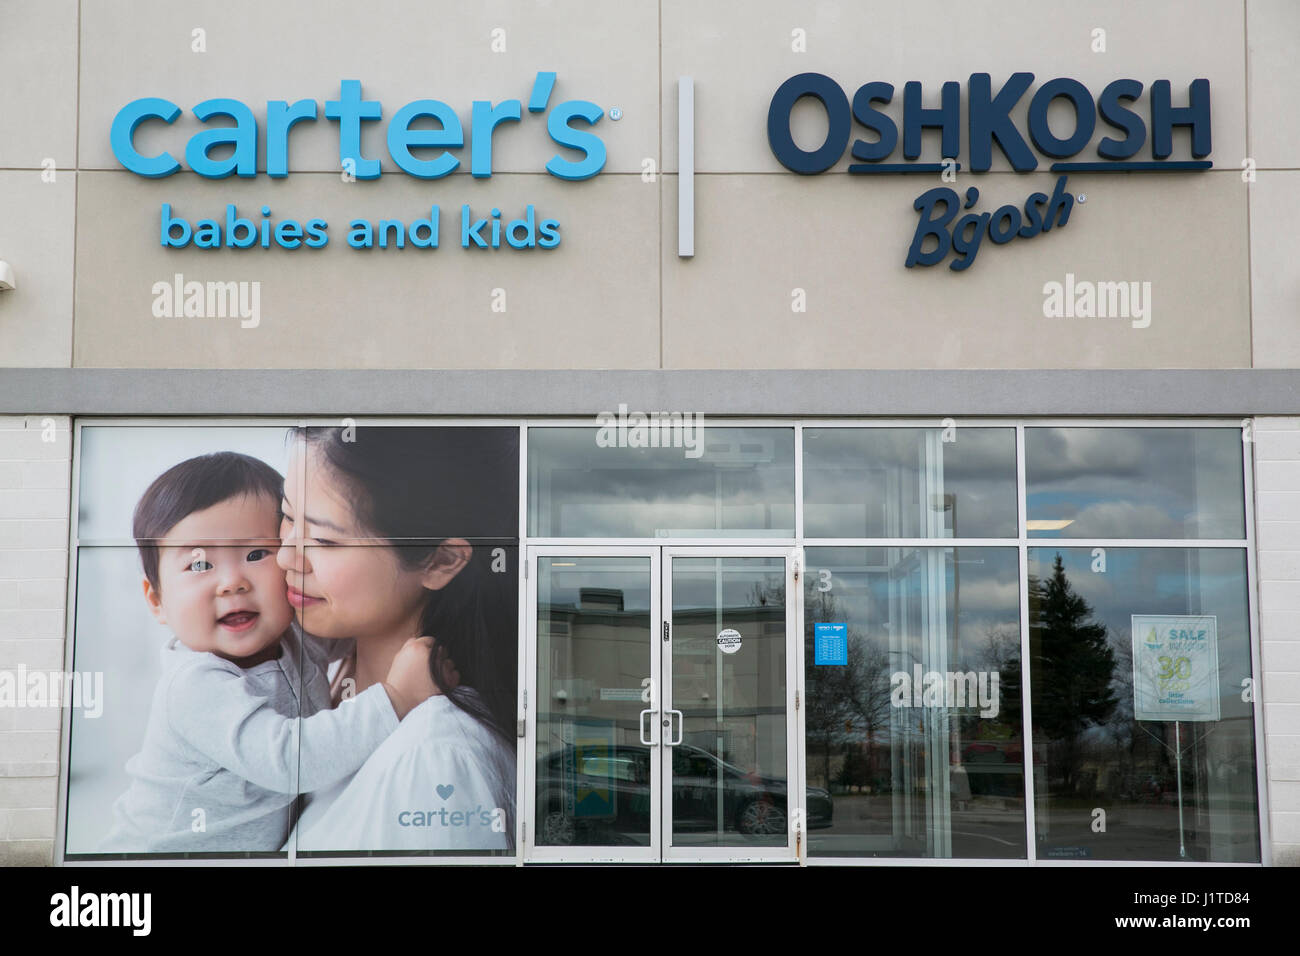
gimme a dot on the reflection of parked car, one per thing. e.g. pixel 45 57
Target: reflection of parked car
pixel 994 768
pixel 601 797
pixel 1157 790
pixel 993 751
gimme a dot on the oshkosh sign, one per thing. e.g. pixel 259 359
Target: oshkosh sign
pixel 988 122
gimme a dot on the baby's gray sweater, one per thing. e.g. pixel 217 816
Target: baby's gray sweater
pixel 225 754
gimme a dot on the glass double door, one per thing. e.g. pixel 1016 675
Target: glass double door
pixel 660 717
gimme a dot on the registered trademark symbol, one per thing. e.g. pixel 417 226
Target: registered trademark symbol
pixel 615 113
pixel 1082 198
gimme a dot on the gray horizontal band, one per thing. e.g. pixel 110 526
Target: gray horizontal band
pixel 784 392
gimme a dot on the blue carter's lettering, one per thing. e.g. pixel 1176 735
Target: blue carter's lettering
pixel 590 145
pixel 407 143
pixel 243 135
pixel 122 136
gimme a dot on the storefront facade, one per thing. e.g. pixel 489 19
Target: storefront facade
pixel 785 516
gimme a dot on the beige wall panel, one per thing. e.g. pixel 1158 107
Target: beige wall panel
pixel 38 74
pixel 591 302
pixel 1273 31
pixel 36 238
pixel 844 241
pixel 1275 268
pixel 739 52
pixel 400 50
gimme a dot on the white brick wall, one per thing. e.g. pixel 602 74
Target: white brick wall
pixel 1277 523
pixel 35 470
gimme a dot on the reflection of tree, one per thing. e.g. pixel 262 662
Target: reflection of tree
pixel 769 593
pixel 999 649
pixel 846 703
pixel 1073 668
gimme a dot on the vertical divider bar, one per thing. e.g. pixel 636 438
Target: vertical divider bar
pixel 1249 465
pixel 1031 825
pixel 661 673
pixel 524 760
pixel 795 647
pixel 685 167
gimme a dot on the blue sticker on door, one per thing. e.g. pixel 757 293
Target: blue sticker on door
pixel 831 644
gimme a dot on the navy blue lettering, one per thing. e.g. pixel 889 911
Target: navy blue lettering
pixel 929 225
pixel 1164 117
pixel 968 249
pixel 1033 218
pixel 946 118
pixel 836 104
pixel 875 121
pixel 990 119
pixel 1061 202
pixel 1115 114
pixel 1005 214
pixel 1085 117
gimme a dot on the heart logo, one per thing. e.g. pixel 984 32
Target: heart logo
pixel 445 790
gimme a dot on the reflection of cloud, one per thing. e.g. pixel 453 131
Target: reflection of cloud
pixel 1055 453
pixel 589 490
pixel 1188 474
pixel 989 594
pixel 1156 581
pixel 1118 519
pixel 853 477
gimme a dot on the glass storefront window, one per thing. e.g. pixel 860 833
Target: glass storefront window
pixel 1134 483
pixel 915 729
pixel 1140 688
pixel 729 774
pixel 909 482
pixel 733 483
pixel 593 633
pixel 1144 734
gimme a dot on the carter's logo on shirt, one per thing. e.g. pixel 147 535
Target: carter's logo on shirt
pixel 493 819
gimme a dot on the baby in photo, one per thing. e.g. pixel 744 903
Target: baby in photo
pixel 225 753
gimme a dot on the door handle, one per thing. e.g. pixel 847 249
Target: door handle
pixel 680 727
pixel 642 727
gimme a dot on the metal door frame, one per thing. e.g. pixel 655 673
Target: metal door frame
pixel 589 854
pixel 795 797
pixel 660 849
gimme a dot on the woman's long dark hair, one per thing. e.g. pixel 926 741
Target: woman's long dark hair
pixel 418 486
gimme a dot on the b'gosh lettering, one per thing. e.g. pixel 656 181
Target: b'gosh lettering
pixel 988 121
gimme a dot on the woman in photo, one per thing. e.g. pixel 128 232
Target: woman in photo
pixel 396 532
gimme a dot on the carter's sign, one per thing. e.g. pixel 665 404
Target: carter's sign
pixel 988 123
pixel 484 226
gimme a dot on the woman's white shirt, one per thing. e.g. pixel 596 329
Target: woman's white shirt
pixel 441 781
